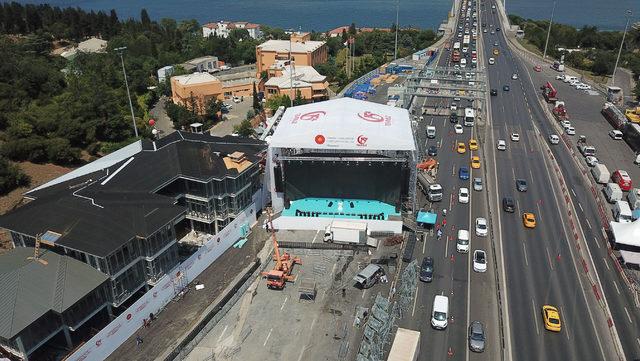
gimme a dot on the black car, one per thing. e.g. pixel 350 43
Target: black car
pixel 505 88
pixel 508 205
pixel 497 29
pixel 521 185
pixel 426 270
pixel 433 150
pixel 494 92
pixel 453 118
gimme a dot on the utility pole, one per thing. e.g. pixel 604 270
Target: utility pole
pixel 544 56
pixel 615 68
pixel 395 51
pixel 120 51
pixel 291 68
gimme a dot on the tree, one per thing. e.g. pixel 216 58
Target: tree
pixel 145 19
pixel 244 129
pixel 299 100
pixel 601 67
pixel 11 177
pixel 277 101
pixel 352 29
pixel 256 102
pixel 636 91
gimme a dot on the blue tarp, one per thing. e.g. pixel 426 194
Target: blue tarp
pixel 426 217
pixel 636 214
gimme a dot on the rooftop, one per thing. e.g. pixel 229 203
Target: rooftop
pixel 31 288
pixel 201 59
pixel 296 47
pixel 195 78
pixel 100 210
pixel 344 123
pixel 303 76
pixel 93 45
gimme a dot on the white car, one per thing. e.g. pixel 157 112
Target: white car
pixel 565 124
pixel 615 134
pixel 462 243
pixel 458 128
pixel 474 61
pixel 479 261
pixel 554 139
pixel 502 145
pixel 463 195
pixel 574 82
pixel 237 99
pixel 570 130
pixel 453 107
pixel 492 61
pixel 515 137
pixel 591 160
pixel 484 31
pixel 583 86
pixel 560 77
pixel 514 76
pixel 481 227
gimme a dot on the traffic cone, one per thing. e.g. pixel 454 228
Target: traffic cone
pixel 450 352
pixel 558 257
pixel 452 258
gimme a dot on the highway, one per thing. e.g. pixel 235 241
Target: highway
pixel 472 295
pixel 541 264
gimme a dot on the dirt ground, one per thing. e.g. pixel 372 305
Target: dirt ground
pixel 40 174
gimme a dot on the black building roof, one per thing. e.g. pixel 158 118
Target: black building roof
pixel 100 211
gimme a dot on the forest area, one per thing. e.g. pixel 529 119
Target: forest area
pixel 598 48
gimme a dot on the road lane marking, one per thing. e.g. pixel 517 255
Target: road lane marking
pixel 363 293
pixel 531 173
pixel 566 324
pixel 424 244
pixel 415 299
pixel 596 241
pixel 524 248
pixel 446 247
pixel 606 264
pixel 628 316
pixel 535 316
pixel 283 303
pixel 574 193
pixel 615 284
pixel 580 205
pixel 223 332
pixel 267 339
pixel 588 223
pixel 549 258
pixel 314 237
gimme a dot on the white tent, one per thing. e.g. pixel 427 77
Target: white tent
pixel 627 234
pixel 345 124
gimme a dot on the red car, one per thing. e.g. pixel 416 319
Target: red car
pixel 622 178
pixel 537 68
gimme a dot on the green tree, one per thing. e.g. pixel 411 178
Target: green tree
pixel 11 177
pixel 256 102
pixel 277 101
pixel 244 129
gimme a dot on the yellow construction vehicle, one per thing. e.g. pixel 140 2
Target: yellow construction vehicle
pixel 633 114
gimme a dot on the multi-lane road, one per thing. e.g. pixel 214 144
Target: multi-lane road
pixel 535 266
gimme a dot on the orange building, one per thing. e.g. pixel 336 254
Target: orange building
pixel 303 51
pixel 199 89
pixel 302 79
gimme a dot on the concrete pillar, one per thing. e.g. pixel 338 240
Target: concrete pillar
pixel 110 312
pixel 21 348
pixel 67 337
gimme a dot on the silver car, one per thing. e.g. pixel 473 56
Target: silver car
pixel 476 336
pixel 477 184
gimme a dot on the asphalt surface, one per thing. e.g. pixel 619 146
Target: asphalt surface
pixel 553 277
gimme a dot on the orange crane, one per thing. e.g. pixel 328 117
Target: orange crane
pixel 281 272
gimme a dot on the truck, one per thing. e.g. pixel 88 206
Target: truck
pixel 549 92
pixel 434 192
pixel 613 192
pixel 346 232
pixel 614 116
pixel 558 65
pixel 406 345
pixel 586 150
pixel 600 173
pixel 560 111
pixel 368 276
pixel 622 212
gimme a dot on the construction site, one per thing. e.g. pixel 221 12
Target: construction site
pixel 304 304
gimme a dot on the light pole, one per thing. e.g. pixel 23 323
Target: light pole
pixel 395 51
pixel 120 51
pixel 544 55
pixel 615 68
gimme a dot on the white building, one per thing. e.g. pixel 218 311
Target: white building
pixel 164 73
pixel 202 64
pixel 92 45
pixel 342 159
pixel 223 28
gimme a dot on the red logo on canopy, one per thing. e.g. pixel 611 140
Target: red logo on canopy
pixel 371 117
pixel 362 140
pixel 311 116
pixel 320 139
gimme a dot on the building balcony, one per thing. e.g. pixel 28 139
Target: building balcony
pixel 200 217
pixel 196 198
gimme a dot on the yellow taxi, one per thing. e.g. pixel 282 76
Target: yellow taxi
pixel 551 318
pixel 473 144
pixel 461 148
pixel 529 220
pixel 475 162
pixel 496 52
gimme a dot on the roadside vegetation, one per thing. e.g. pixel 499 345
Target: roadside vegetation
pixel 591 49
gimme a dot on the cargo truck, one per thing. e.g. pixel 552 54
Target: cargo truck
pixel 346 232
pixel 622 212
pixel 600 173
pixel 613 192
pixel 549 92
pixel 614 116
pixel 434 192
pixel 406 345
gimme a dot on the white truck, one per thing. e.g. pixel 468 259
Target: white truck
pixel 346 232
pixel 434 192
pixel 600 173
pixel 613 192
pixel 634 198
pixel 622 212
pixel 406 345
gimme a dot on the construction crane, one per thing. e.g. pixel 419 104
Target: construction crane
pixel 281 272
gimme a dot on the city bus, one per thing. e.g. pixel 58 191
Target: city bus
pixel 469 117
pixel 466 40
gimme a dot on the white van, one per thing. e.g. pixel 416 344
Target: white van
pixel 463 63
pixel 622 212
pixel 462 243
pixel 634 198
pixel 600 173
pixel 613 192
pixel 431 131
pixel 440 312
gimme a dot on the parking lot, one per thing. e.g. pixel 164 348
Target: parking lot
pixel 236 114
pixel 263 323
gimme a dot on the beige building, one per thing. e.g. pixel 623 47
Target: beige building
pixel 303 51
pixel 199 89
pixel 288 80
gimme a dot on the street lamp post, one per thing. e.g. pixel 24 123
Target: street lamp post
pixel 544 55
pixel 120 51
pixel 615 68
pixel 395 51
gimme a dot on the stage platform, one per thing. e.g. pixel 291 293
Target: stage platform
pixel 320 223
pixel 356 209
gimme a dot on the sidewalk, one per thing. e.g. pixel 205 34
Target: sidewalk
pixel 179 317
pixel 163 122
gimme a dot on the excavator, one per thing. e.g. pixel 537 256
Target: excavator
pixel 633 114
pixel 281 272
